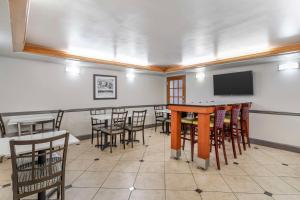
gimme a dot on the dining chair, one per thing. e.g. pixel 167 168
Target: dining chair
pixel 231 128
pixel 159 116
pixel 244 129
pixel 2 127
pixel 41 169
pixel 26 128
pixel 116 127
pixel 137 124
pixel 45 126
pixel 97 124
pixel 58 120
pixel 217 135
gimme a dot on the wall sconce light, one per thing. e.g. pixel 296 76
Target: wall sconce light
pixel 288 66
pixel 130 74
pixel 200 76
pixel 73 70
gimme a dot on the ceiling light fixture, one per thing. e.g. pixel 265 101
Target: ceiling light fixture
pixel 288 66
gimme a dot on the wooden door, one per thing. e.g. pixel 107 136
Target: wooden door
pixel 176 90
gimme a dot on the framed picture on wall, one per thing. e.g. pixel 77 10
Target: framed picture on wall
pixel 105 87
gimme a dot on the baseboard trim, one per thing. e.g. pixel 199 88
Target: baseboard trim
pixel 88 136
pixel 275 145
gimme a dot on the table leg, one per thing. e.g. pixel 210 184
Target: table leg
pixel 175 134
pixel 202 159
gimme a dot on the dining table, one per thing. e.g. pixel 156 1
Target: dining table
pixel 5 147
pixel 203 110
pixel 30 120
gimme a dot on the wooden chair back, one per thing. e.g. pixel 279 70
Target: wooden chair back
pixel 118 109
pixel 96 122
pixel 235 113
pixel 157 113
pixel 118 121
pixel 219 117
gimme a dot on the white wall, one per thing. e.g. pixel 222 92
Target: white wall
pixel 273 90
pixel 28 85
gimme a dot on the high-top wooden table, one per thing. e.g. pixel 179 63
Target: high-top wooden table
pixel 204 110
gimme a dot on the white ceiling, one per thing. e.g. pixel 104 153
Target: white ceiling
pixel 158 32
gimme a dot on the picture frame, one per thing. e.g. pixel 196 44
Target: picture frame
pixel 104 86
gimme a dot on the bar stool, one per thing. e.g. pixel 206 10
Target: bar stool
pixel 244 130
pixel 189 122
pixel 231 128
pixel 217 135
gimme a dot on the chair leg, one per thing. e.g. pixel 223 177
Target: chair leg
pixel 62 192
pixel 247 134
pixel 111 143
pixel 216 149
pixel 58 192
pixel 155 125
pixel 123 140
pixel 232 142
pixel 143 134
pixel 131 138
pixel 192 135
pixel 184 135
pixel 238 138
pixel 223 145
pixel 163 126
pixel 92 139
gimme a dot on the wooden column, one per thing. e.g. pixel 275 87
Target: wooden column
pixel 203 140
pixel 175 134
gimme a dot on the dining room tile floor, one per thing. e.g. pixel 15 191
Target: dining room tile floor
pixel 146 172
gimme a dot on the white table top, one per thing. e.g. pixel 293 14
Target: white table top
pixel 5 148
pixel 164 111
pixel 29 119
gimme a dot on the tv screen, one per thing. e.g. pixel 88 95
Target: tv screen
pixel 240 83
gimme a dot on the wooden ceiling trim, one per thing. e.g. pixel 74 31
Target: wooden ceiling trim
pixel 292 48
pixel 18 19
pixel 37 49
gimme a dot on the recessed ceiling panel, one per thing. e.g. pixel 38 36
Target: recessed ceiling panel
pixel 163 32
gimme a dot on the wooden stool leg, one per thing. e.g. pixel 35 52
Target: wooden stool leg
pixel 232 142
pixel 192 135
pixel 216 149
pixel 223 145
pixel 238 140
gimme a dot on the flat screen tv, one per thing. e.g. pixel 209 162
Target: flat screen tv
pixel 240 83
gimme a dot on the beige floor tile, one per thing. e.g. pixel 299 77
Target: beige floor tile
pixel 90 179
pixel 133 155
pixel 103 165
pixel 232 170
pixel 281 170
pixel 211 182
pixel 112 194
pixel 217 196
pixel 79 165
pixel 182 195
pixel 120 180
pixel 275 185
pixel 242 184
pixel 148 195
pixel 6 193
pixel 255 170
pixel 152 167
pixel 150 181
pixel 210 170
pixel 5 176
pixel 177 166
pixel 295 182
pixel 243 196
pixel 154 156
pixel 80 193
pixel 286 197
pixel 180 182
pixel 71 176
pixel 127 166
